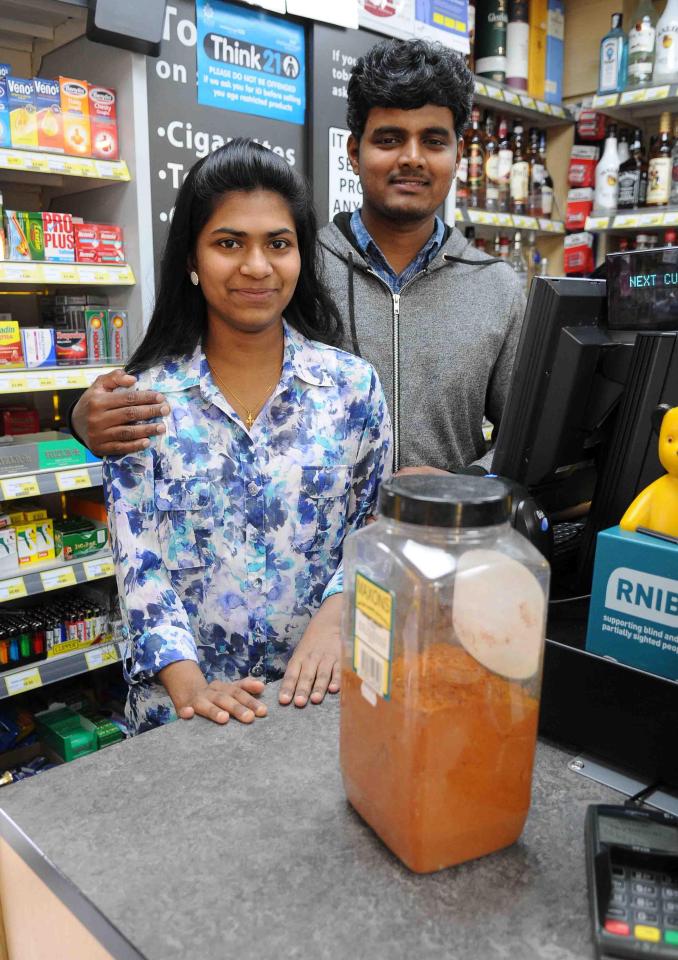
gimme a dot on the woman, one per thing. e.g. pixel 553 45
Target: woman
pixel 228 528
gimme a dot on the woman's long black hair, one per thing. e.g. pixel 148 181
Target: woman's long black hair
pixel 179 318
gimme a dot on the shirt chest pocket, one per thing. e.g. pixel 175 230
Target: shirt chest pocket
pixel 185 512
pixel 322 508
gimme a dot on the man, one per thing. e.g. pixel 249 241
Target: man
pixel 438 319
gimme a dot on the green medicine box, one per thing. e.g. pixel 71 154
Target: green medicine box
pixel 74 539
pixel 48 450
pixel 65 732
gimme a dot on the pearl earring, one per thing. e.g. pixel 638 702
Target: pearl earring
pixel 195 280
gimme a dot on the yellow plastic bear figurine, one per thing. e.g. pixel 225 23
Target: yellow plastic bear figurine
pixel 656 507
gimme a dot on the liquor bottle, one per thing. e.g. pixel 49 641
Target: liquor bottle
pixel 666 45
pixel 547 182
pixel 673 197
pixel 520 173
pixel 504 247
pixel 607 174
pixel 630 173
pixel 641 44
pixel 623 146
pixel 491 165
pixel 462 175
pixel 476 162
pixel 518 262
pixel 491 23
pixel 613 53
pixel 505 162
pixel 470 57
pixel 517 44
pixel 659 167
pixel 536 175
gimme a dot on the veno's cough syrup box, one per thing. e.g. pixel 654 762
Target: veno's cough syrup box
pixel 103 123
pixel 75 112
pixel 48 106
pixel 5 136
pixel 22 114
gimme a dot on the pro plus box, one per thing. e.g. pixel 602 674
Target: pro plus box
pixel 75 112
pixel 633 616
pixel 5 135
pixel 103 123
pixel 22 115
pixel 48 106
pixel 58 235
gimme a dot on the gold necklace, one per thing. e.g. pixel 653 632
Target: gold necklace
pixel 249 419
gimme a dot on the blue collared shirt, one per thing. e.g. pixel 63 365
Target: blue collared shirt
pixel 226 540
pixel 377 261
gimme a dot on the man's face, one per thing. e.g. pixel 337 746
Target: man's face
pixel 406 161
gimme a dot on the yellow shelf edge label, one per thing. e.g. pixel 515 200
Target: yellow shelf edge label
pixel 12 589
pixel 96 569
pixel 21 682
pixel 15 487
pixel 101 656
pixel 72 480
pixel 57 578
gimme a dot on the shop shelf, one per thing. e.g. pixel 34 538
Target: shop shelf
pixel 43 272
pixel 36 162
pixel 54 575
pixel 509 101
pixel 634 104
pixel 21 380
pixel 486 218
pixel 629 220
pixel 43 482
pixel 62 667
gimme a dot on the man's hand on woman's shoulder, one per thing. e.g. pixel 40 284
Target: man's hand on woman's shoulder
pixel 113 422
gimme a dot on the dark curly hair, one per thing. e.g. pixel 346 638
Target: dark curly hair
pixel 408 74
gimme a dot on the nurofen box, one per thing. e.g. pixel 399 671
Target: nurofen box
pixel 34 235
pixel 118 345
pixel 15 235
pixel 75 116
pixel 22 114
pixel 5 134
pixel 97 334
pixel 111 248
pixel 48 107
pixel 58 236
pixel 38 347
pixel 103 122
pixel 10 344
pixel 86 238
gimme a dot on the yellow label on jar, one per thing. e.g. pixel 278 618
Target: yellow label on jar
pixel 373 634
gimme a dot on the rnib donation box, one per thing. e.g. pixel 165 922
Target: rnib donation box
pixel 634 602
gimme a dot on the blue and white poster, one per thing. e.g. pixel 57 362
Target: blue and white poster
pixel 250 62
pixel 443 20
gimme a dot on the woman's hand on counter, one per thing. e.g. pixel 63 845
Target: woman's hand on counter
pixel 217 701
pixel 314 668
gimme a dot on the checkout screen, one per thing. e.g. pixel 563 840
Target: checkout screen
pixel 621 832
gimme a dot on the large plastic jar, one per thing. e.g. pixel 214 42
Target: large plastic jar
pixel 445 616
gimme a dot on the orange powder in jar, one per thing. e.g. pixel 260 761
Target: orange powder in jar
pixel 442 770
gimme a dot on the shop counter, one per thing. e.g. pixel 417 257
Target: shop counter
pixel 220 842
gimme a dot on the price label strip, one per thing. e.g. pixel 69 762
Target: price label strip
pixel 60 577
pixel 21 682
pixel 72 480
pixel 96 569
pixel 605 100
pixel 101 656
pixel 15 487
pixel 597 223
pixel 12 589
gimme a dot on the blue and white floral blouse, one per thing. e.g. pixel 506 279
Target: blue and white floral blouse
pixel 227 540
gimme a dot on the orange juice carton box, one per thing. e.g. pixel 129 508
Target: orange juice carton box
pixel 5 135
pixel 18 247
pixel 48 106
pixel 75 114
pixel 11 354
pixel 23 118
pixel 103 120
pixel 58 236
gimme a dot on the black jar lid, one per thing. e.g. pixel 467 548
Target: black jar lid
pixel 445 500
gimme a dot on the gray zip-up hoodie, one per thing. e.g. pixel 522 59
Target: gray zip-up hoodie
pixel 443 347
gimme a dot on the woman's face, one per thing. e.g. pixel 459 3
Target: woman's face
pixel 247 259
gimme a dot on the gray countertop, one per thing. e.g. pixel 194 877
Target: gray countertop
pixel 212 842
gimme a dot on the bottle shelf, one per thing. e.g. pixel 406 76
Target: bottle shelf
pixel 54 575
pixel 509 221
pixel 33 161
pixel 61 667
pixel 637 103
pixel 625 220
pixel 21 380
pixel 40 483
pixel 46 273
pixel 506 100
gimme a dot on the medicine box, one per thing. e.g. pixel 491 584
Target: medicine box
pixel 633 617
pixel 71 346
pixel 86 237
pixel 96 327
pixel 103 122
pixel 64 731
pixel 11 354
pixel 75 116
pixel 42 451
pixel 18 247
pixel 34 235
pixel 38 346
pixel 58 236
pixel 117 326
pixel 75 539
pixel 5 134
pixel 9 561
pixel 48 107
pixel 23 123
